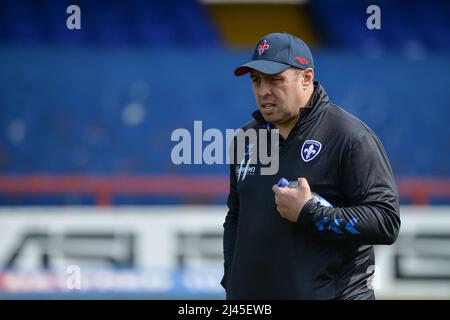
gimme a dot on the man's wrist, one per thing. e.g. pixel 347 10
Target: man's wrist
pixel 307 213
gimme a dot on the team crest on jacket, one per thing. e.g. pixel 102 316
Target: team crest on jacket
pixel 310 150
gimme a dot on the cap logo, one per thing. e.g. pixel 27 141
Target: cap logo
pixel 263 46
pixel 301 60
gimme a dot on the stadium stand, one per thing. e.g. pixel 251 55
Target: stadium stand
pixel 103 101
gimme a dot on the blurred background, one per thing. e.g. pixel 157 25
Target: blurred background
pixel 91 204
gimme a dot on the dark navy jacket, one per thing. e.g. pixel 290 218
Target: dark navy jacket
pixel 328 253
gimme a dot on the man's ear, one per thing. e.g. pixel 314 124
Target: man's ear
pixel 308 77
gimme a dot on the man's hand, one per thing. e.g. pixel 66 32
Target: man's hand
pixel 291 201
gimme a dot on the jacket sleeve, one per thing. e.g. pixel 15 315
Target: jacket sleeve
pixel 230 226
pixel 373 216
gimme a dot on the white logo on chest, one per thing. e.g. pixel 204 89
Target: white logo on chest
pixel 310 150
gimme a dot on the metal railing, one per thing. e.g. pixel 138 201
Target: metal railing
pixel 418 191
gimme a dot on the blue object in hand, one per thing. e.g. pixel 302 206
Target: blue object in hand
pixel 283 182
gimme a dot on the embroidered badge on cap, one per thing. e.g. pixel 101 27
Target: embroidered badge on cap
pixel 263 47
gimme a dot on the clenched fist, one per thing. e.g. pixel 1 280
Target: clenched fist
pixel 290 201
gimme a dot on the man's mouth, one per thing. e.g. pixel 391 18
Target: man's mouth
pixel 268 108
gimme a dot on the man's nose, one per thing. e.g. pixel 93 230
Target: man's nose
pixel 264 89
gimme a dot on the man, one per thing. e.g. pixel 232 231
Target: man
pixel 278 242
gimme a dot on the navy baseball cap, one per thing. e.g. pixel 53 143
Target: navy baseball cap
pixel 277 52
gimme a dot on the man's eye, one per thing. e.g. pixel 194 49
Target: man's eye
pixel 255 79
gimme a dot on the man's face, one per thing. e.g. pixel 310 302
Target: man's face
pixel 279 96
